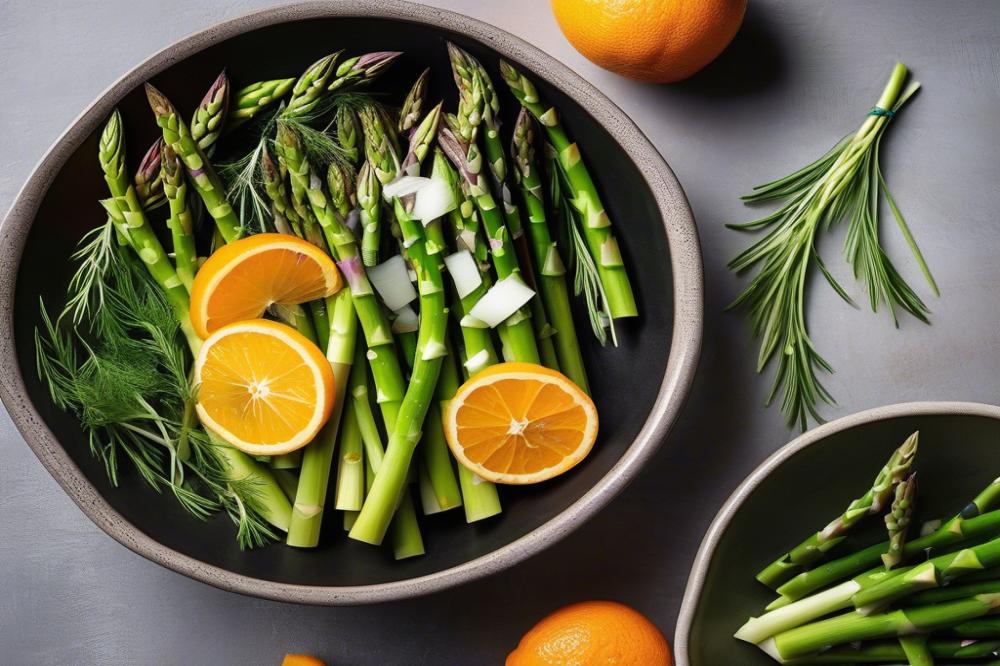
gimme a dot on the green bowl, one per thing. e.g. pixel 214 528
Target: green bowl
pixel 804 485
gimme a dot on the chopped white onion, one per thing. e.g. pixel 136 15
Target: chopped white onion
pixel 502 300
pixel 465 273
pixel 434 200
pixel 406 320
pixel 404 185
pixel 392 282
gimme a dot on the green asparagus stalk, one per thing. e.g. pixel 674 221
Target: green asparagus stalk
pixel 552 272
pixel 847 628
pixel 985 627
pixel 413 105
pixel 390 479
pixel 362 69
pixel 596 225
pixel 310 88
pixel 317 458
pixel 897 520
pixel 130 220
pixel 957 530
pixel 257 97
pixel 345 121
pixel 916 650
pixel 872 502
pixel 288 481
pixel 201 172
pixel 179 222
pixel 370 203
pixel 371 440
pixel 470 93
pixel 211 114
pixel 286 220
pixel 517 331
pixel 351 467
pixel 951 592
pixel 884 652
pixel 493 150
pixel 148 180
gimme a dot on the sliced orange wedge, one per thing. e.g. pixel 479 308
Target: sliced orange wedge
pixel 242 279
pixel 520 423
pixel 263 387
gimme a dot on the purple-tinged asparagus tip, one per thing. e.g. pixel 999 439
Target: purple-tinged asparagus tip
pixel 376 60
pixel 151 160
pixel 221 83
pixel 158 101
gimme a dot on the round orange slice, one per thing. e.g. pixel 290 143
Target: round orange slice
pixel 263 387
pixel 242 279
pixel 520 423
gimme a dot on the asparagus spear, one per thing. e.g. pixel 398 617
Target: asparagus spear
pixel 147 180
pixel 390 480
pixel 345 121
pixel 950 592
pixel 916 650
pixel 596 225
pixel 362 69
pixel 884 652
pixel 256 97
pixel 871 503
pixel 203 176
pixel 310 88
pixel 286 220
pixel 130 220
pixel 847 628
pixel 552 272
pixel 960 528
pixel 519 337
pixel 351 466
pixel 210 116
pixel 413 105
pixel 179 222
pixel 310 497
pixel 897 520
pixel 985 627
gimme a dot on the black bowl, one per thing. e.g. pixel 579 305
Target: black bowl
pixel 807 483
pixel 638 387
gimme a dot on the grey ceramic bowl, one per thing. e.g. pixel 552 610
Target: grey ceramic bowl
pixel 639 387
pixel 806 483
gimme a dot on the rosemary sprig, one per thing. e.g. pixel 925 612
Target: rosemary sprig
pixel 846 182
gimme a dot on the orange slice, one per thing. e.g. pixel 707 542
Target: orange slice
pixel 242 279
pixel 263 387
pixel 520 423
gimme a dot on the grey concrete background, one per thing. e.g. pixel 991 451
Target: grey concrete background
pixel 798 76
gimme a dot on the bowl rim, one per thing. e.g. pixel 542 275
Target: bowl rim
pixel 706 552
pixel 685 343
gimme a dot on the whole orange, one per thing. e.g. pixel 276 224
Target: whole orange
pixel 591 633
pixel 659 41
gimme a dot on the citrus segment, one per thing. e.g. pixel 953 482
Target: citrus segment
pixel 520 423
pixel 242 279
pixel 263 387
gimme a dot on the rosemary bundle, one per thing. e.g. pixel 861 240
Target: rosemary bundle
pixel 846 182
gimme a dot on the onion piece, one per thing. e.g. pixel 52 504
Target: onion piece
pixel 434 200
pixel 392 282
pixel 464 271
pixel 406 320
pixel 501 301
pixel 404 185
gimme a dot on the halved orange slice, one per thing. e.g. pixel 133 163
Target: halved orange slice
pixel 520 423
pixel 242 279
pixel 263 387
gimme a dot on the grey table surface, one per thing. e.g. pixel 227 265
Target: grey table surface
pixel 797 76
